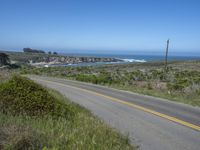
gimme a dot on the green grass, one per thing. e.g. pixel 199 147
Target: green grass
pixel 22 96
pixel 174 96
pixel 23 131
pixel 180 83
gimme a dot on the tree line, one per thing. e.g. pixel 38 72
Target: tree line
pixel 30 50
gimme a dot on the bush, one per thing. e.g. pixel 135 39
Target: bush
pixel 22 96
pixel 83 132
pixel 175 86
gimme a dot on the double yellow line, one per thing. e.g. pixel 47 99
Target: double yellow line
pixel 176 120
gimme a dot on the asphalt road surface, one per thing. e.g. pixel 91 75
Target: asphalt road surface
pixel 151 123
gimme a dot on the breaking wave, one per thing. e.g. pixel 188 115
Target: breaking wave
pixel 134 60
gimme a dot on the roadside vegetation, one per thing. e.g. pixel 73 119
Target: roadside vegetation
pixel 181 81
pixel 32 117
pixel 5 74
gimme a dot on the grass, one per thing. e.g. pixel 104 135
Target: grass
pixel 180 83
pixel 177 97
pixel 5 75
pixel 22 96
pixel 21 131
pixel 22 57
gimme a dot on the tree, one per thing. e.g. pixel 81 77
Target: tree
pixel 55 53
pixel 29 50
pixel 4 59
pixel 49 52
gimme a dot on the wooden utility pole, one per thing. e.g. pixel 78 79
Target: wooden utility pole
pixel 166 56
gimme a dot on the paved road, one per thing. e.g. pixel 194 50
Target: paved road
pixel 151 123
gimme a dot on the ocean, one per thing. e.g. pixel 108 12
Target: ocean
pixel 139 57
pixel 128 58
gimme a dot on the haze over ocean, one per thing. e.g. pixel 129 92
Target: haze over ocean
pixel 141 57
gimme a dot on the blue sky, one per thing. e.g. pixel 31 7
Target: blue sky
pixel 100 25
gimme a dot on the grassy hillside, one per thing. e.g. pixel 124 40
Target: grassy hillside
pixel 181 82
pixel 22 57
pixel 32 117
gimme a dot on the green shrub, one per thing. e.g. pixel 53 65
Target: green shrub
pixel 45 133
pixel 22 96
pixel 175 86
pixel 138 75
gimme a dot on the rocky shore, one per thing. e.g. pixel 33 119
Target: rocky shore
pixel 59 60
pixel 45 59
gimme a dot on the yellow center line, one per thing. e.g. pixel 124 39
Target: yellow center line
pixel 176 120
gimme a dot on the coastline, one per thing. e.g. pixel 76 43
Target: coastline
pixel 47 60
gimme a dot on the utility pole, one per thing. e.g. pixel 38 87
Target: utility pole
pixel 166 56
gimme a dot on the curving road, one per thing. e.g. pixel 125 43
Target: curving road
pixel 151 123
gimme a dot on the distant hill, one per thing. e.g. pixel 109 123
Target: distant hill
pixel 29 50
pixel 54 58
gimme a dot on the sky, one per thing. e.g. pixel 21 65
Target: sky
pixel 100 25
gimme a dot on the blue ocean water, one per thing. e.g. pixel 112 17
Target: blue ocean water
pixel 129 58
pixel 139 57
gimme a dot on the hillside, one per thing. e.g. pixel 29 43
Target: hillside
pixel 181 82
pixel 41 59
pixel 32 117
